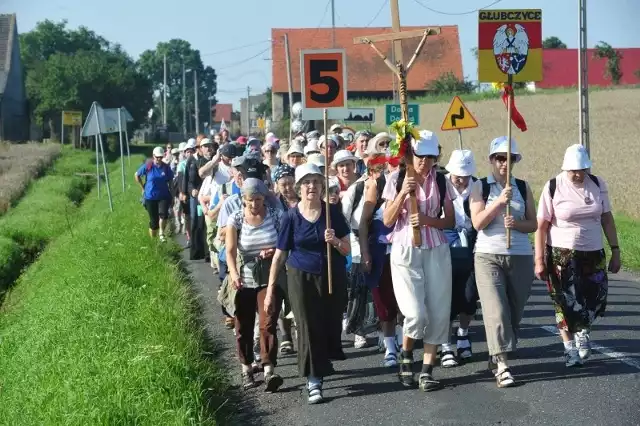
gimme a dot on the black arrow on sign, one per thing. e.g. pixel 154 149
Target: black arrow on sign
pixel 455 117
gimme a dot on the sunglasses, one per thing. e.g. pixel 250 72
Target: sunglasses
pixel 503 158
pixel 159 158
pixel 271 151
pixel 430 157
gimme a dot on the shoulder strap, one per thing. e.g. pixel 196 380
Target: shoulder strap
pixel 522 187
pixel 401 174
pixel 552 187
pixel 465 203
pixel 359 191
pixel 380 183
pixel 441 181
pixel 595 179
pixel 486 189
pixel 149 165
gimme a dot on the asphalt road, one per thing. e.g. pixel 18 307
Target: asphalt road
pixel 605 391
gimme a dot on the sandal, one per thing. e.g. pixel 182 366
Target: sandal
pixel 248 382
pixel 406 374
pixel 463 343
pixel 427 383
pixel 273 381
pixel 448 359
pixel 504 379
pixel 286 347
pixel 390 359
pixel 315 393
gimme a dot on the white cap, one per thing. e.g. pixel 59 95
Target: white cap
pixel 576 158
pixel 158 151
pixel 335 127
pixel 182 146
pixel 192 140
pixel 191 144
pixel 312 146
pixel 305 170
pixel 342 156
pixel 206 141
pixel 334 182
pixel 500 146
pixel 295 149
pixel 175 151
pixel 317 159
pixel 461 163
pixel 427 144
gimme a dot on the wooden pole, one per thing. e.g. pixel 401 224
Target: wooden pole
pixel 460 138
pixel 289 85
pixel 326 196
pixel 508 182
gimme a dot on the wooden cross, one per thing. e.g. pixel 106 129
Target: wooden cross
pixel 400 70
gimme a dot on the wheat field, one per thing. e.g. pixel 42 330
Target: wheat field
pixel 552 121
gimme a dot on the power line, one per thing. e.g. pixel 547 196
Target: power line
pixel 233 49
pixel 455 13
pixel 384 3
pixel 235 64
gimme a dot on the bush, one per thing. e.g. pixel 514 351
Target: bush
pixel 449 84
pixel 85 341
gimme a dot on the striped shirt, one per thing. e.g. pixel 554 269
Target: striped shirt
pixel 428 198
pixel 252 239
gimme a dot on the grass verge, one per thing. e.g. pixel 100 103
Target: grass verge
pixel 629 240
pixel 102 330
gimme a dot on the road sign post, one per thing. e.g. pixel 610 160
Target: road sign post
pixel 324 84
pixel 458 117
pixel 393 113
pixel 70 118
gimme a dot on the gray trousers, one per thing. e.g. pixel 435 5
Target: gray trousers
pixel 504 285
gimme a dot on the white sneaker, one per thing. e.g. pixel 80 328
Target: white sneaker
pixel 360 342
pixel 572 358
pixel 163 239
pixel 583 343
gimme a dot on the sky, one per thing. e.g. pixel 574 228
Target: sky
pixel 242 28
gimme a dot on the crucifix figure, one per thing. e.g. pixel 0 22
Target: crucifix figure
pixel 400 70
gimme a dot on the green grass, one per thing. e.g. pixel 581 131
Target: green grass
pixel 101 329
pixel 629 241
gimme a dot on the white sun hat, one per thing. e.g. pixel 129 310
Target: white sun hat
pixel 295 149
pixel 182 146
pixel 175 151
pixel 305 170
pixel 334 182
pixel 158 151
pixel 427 144
pixel 312 146
pixel 336 127
pixel 500 146
pixel 206 141
pixel 576 158
pixel 317 159
pixel 342 156
pixel 190 145
pixel 461 163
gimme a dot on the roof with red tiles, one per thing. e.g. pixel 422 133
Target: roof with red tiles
pixel 365 70
pixel 222 112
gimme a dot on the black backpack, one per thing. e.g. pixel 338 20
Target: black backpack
pixel 441 181
pixel 552 184
pixel 359 192
pixel 522 187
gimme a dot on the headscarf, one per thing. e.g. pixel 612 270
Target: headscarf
pixel 283 170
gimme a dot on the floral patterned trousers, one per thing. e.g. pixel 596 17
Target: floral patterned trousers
pixel 578 286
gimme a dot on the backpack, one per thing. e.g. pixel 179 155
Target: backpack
pixel 359 192
pixel 441 181
pixel 465 204
pixel 552 184
pixel 522 187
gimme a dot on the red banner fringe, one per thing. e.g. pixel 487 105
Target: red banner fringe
pixel 516 117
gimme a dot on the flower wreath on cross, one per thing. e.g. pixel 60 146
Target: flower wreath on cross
pixel 405 131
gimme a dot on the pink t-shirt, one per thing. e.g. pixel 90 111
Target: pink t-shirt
pixel 428 198
pixel 575 213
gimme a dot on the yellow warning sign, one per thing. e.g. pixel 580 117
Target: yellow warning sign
pixel 72 118
pixel 458 117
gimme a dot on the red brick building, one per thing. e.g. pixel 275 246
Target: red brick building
pixel 367 75
pixel 560 68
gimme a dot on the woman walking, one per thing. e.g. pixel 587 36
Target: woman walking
pixel 250 244
pixel 156 192
pixel 574 209
pixel 504 272
pixel 304 236
pixel 421 275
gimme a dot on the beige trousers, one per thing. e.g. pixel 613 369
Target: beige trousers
pixel 422 285
pixel 504 285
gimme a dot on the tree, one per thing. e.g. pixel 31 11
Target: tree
pixel 179 52
pixel 264 109
pixel 553 42
pixel 449 84
pixel 613 57
pixel 70 69
pixel 474 52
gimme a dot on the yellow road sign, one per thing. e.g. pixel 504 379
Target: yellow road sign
pixel 261 123
pixel 458 117
pixel 72 118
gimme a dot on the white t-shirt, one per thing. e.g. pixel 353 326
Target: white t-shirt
pixel 353 214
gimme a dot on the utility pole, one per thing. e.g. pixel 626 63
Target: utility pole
pixel 333 23
pixel 184 100
pixel 583 78
pixel 197 110
pixel 164 109
pixel 248 110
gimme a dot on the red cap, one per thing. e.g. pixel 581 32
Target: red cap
pixel 242 140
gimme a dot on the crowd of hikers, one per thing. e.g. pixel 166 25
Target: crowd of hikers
pixel 255 211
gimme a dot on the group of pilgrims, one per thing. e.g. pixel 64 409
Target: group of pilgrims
pixel 255 209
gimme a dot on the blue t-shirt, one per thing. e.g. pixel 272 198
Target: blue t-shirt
pixel 305 240
pixel 156 186
pixel 216 198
